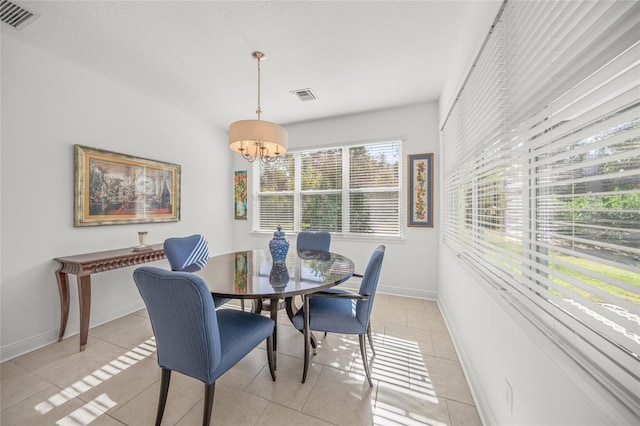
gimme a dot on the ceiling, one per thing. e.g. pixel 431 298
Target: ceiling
pixel 356 56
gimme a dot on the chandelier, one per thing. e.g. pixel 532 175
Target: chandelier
pixel 257 138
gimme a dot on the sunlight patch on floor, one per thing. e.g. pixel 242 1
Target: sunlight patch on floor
pixel 398 365
pixel 386 414
pixel 88 412
pixel 92 380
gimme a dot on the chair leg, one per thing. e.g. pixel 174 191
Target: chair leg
pixel 373 351
pixel 164 391
pixel 209 390
pixel 270 358
pixel 365 361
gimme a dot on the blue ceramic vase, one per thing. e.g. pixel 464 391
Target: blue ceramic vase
pixel 279 276
pixel 278 246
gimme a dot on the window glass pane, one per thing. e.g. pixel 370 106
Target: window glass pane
pixel 374 166
pixel 276 210
pixel 589 220
pixel 374 213
pixel 278 175
pixel 321 212
pixel 322 169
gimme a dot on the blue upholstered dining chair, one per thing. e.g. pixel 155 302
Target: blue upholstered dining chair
pixel 189 254
pixel 344 312
pixel 321 240
pixel 192 337
pixel 313 240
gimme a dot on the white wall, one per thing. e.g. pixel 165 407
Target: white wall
pixel 49 105
pixel 494 342
pixel 410 265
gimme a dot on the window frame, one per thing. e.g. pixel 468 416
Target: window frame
pixel 345 191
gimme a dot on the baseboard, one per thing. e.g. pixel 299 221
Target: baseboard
pixel 33 343
pixel 407 292
pixel 22 347
pixel 394 291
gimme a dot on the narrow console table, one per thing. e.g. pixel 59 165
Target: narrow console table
pixel 83 265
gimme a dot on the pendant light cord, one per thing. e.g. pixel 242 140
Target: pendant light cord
pixel 258 56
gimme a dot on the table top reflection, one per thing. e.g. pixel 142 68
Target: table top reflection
pixel 251 274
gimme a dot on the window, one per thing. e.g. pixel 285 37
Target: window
pixel 350 190
pixel 541 177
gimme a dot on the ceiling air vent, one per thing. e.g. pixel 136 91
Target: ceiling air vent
pixel 14 15
pixel 304 94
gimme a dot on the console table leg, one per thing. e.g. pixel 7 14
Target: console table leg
pixel 84 294
pixel 63 286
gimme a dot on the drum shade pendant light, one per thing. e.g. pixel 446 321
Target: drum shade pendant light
pixel 257 138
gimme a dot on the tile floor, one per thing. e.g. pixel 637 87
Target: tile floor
pixel 115 381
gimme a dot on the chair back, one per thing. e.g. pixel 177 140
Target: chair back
pixel 184 321
pixel 313 240
pixel 369 284
pixel 188 254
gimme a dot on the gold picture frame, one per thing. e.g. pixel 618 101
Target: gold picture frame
pixel 113 189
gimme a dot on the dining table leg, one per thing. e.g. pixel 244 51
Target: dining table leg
pixel 290 308
pixel 307 343
pixel 273 309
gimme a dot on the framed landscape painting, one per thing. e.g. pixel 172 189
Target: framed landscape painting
pixel 420 197
pixel 113 188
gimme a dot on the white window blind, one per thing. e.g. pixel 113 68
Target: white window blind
pixel 374 189
pixel 541 176
pixel 320 204
pixel 276 195
pixel 350 190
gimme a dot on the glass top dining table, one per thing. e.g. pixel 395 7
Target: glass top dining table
pixel 252 274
